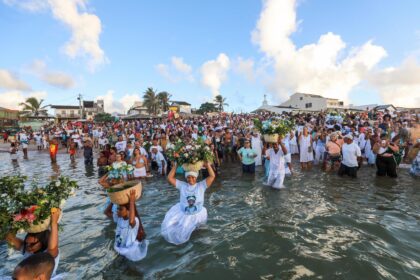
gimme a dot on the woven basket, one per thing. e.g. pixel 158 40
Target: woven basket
pixel 43 225
pixel 271 138
pixel 122 197
pixel 193 166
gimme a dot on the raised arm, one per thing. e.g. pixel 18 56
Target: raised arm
pixel 132 211
pixel 15 242
pixel 171 175
pixel 212 175
pixel 53 241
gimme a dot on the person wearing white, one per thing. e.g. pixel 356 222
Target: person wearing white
pixel 130 239
pixel 293 143
pixel 306 150
pixel 351 151
pixel 158 158
pixel 288 156
pixel 38 141
pixel 256 144
pixel 121 145
pixel 189 213
pixel 277 165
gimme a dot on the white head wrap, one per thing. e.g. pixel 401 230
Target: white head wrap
pixel 191 173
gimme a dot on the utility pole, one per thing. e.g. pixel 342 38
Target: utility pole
pixel 80 98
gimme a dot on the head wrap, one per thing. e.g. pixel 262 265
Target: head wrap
pixel 191 173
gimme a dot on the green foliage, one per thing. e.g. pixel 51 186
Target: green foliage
pixel 33 105
pixel 21 207
pixel 220 102
pixel 103 118
pixel 151 101
pixel 207 108
pixel 163 98
pixel 274 126
pixel 189 152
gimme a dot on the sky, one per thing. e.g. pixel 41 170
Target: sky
pixel 360 51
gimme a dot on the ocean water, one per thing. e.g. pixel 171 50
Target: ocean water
pixel 319 227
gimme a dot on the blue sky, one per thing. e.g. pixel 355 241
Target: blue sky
pixel 136 36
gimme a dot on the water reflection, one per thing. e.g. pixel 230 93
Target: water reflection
pixel 318 227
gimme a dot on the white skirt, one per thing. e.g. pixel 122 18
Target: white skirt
pixel 135 252
pixel 140 172
pixel 177 226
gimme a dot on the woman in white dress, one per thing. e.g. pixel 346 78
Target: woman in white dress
pixel 306 150
pixel 189 213
pixel 130 238
pixel 293 143
pixel 256 145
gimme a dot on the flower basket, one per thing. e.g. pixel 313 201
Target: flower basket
pixel 193 166
pixel 41 226
pixel 271 138
pixel 119 194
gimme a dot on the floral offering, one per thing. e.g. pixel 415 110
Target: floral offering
pixel 22 208
pixel 274 126
pixel 119 174
pixel 191 153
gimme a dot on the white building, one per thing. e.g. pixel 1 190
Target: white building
pixel 72 112
pixel 272 109
pixel 138 109
pixel 182 107
pixel 313 102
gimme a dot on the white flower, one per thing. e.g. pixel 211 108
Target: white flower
pixel 186 155
pixel 58 183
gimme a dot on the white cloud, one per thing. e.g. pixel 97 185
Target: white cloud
pixel 11 81
pixel 178 70
pixel 54 78
pixel 399 86
pixel 122 105
pixel 12 99
pixel 85 27
pixel 320 67
pixel 214 73
pixel 245 67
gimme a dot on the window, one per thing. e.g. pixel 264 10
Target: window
pixel 308 105
pixel 301 98
pixel 63 112
pixel 341 103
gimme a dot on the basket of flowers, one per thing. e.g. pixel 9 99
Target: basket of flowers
pixel 119 174
pixel 29 208
pixel 190 156
pixel 119 194
pixel 273 128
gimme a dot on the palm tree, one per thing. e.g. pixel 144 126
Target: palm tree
pixel 33 106
pixel 163 98
pixel 151 101
pixel 220 102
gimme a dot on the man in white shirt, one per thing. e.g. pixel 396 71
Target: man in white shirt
pixel 277 166
pixel 351 152
pixel 121 145
pixel 159 161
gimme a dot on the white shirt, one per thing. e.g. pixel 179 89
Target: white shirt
pixel 120 146
pixel 276 159
pixel 350 154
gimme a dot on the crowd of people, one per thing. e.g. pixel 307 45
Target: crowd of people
pixel 334 143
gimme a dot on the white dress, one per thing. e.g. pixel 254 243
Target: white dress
pixel 277 169
pixel 126 242
pixel 187 215
pixel 293 145
pixel 304 144
pixel 257 147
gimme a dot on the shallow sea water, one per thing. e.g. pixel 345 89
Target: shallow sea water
pixel 319 227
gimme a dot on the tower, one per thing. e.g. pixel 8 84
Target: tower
pixel 265 103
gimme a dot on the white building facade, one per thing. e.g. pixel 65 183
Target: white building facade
pixel 312 102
